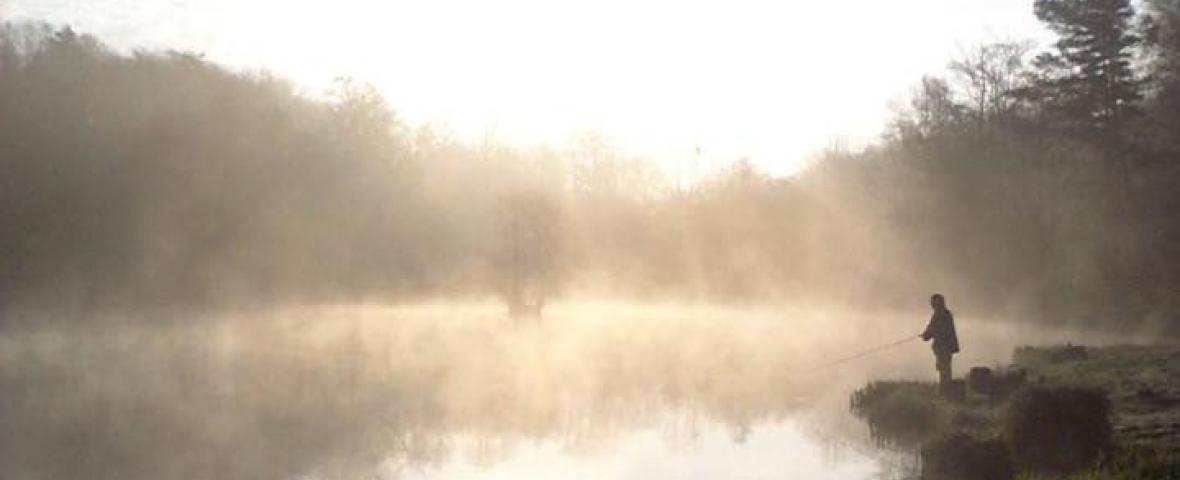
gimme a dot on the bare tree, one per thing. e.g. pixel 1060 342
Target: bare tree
pixel 988 74
pixel 933 109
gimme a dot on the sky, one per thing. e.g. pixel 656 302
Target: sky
pixel 682 82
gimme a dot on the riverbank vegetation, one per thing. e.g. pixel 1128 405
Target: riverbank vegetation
pixel 1112 413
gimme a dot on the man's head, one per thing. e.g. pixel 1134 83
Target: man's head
pixel 937 302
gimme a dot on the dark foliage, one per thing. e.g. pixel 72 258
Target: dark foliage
pixel 900 413
pixel 961 457
pixel 1090 79
pixel 1059 429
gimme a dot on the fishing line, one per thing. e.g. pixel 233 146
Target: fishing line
pixel 863 353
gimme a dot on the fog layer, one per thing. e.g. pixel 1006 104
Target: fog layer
pixel 349 392
pixel 162 179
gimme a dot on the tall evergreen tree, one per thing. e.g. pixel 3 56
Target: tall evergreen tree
pixel 1161 34
pixel 1089 79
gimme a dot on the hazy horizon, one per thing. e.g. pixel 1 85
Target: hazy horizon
pixel 527 239
pixel 691 86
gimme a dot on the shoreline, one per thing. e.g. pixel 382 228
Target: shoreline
pixel 1055 412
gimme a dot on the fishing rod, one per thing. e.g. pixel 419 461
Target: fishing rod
pixel 870 351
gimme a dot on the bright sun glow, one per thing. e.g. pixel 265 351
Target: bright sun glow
pixel 769 81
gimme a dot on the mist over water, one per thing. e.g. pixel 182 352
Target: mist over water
pixel 589 390
pixel 207 272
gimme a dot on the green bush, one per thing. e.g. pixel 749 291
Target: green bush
pixel 1134 463
pixel 961 457
pixel 1141 463
pixel 1058 429
pixel 904 413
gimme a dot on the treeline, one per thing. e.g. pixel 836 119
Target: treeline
pixel 1037 181
pixel 156 178
pixel 1045 179
pixel 164 179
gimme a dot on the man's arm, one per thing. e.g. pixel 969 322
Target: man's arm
pixel 929 332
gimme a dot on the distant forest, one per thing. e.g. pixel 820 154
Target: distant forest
pixel 1021 179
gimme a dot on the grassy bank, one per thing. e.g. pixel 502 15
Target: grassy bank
pixel 1056 412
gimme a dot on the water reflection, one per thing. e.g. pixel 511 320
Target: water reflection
pixel 437 392
pixel 704 450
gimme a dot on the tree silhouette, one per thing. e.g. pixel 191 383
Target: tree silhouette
pixel 530 247
pixel 1090 77
pixel 989 74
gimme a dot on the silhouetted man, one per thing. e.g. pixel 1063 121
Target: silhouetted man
pixel 942 330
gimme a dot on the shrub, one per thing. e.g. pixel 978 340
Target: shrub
pixel 961 457
pixel 900 412
pixel 1140 463
pixel 1058 429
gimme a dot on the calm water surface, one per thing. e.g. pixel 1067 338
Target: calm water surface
pixel 459 391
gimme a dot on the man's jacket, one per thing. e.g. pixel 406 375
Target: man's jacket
pixel 942 330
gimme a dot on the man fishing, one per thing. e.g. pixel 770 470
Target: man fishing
pixel 942 330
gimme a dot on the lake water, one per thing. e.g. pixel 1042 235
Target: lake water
pixel 450 391
pixel 677 449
